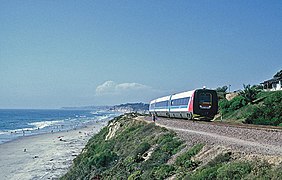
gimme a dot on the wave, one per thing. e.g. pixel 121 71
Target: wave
pixel 106 116
pixel 43 124
pixel 66 123
pixel 36 126
pixel 3 132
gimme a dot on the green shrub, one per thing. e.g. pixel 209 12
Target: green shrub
pixel 184 160
pixel 219 159
pixel 270 113
pixel 207 173
pixel 103 159
pixel 237 103
pixel 236 170
pixel 224 106
pixel 260 171
pixel 163 171
pixel 142 148
pixel 277 172
pixel 135 175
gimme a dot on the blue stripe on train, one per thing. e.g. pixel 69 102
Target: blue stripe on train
pixel 165 107
pixel 171 107
pixel 178 107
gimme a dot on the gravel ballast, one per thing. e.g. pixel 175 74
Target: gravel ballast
pixel 246 140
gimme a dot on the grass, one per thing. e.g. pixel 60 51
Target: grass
pixel 264 110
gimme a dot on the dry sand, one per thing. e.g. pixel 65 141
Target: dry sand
pixel 45 156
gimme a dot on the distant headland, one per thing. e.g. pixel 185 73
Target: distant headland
pixel 127 107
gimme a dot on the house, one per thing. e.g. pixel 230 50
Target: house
pixel 273 84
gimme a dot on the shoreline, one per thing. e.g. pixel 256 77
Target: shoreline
pixel 18 123
pixel 23 136
pixel 44 156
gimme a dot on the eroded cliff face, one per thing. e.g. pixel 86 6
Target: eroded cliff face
pixel 113 127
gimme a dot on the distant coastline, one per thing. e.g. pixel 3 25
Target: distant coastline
pixel 123 108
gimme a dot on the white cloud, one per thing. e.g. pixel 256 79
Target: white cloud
pixel 107 87
pixel 110 93
pixel 112 88
pixel 131 86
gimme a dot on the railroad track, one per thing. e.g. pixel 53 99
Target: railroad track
pixel 252 139
pixel 230 124
pixel 248 126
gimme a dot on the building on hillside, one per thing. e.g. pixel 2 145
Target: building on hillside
pixel 273 84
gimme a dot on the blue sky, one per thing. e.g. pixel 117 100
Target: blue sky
pixel 74 53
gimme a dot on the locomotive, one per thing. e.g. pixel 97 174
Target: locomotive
pixel 199 104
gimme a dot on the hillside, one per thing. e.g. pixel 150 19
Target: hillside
pixel 131 148
pixel 265 109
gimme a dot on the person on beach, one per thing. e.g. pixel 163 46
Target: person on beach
pixel 154 117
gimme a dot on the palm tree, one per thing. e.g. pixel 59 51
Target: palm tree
pixel 249 93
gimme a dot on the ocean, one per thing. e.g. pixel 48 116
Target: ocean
pixel 18 123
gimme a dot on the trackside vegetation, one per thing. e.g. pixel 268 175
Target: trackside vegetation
pixel 133 149
pixel 253 106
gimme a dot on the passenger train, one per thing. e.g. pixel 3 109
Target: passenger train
pixel 195 104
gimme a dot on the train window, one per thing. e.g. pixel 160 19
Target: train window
pixel 161 104
pixel 205 100
pixel 152 106
pixel 180 102
pixel 205 97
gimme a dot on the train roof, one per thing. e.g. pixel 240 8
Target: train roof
pixel 175 96
pixel 165 98
pixel 182 94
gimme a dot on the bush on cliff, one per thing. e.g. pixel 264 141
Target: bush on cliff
pixel 265 110
pixel 269 113
pixel 236 103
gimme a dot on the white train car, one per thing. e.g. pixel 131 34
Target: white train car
pixel 160 106
pixel 195 104
pixel 179 105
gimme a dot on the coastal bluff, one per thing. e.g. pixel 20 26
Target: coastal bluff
pixel 131 146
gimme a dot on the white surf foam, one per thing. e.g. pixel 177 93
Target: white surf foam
pixel 3 132
pixel 43 124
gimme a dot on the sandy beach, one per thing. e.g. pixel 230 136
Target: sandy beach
pixel 45 156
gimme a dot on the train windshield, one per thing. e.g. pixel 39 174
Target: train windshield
pixel 205 100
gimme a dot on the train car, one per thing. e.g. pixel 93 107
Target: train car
pixel 160 106
pixel 195 104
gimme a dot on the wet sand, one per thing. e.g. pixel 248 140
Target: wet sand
pixel 45 156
